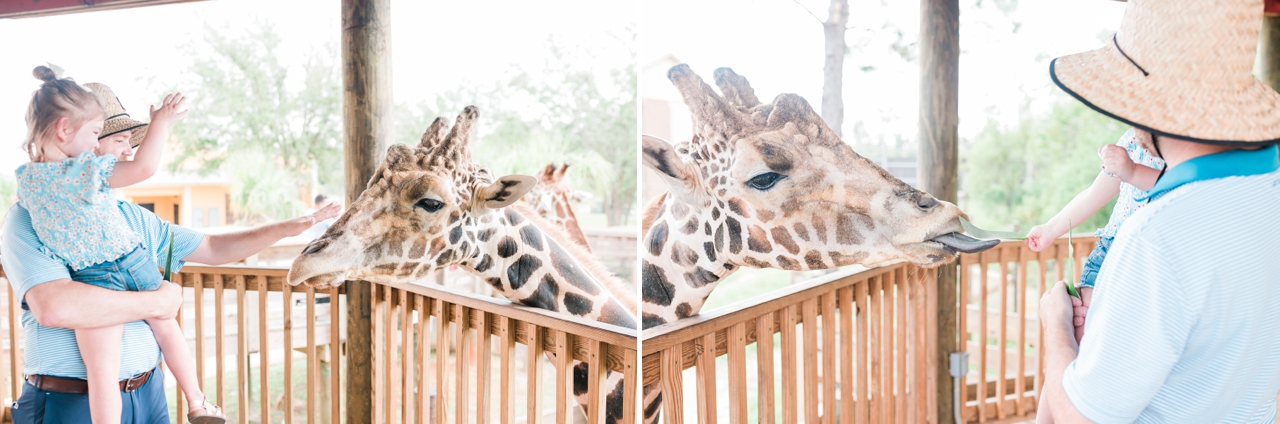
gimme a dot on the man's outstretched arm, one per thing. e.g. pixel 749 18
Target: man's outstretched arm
pixel 73 305
pixel 219 249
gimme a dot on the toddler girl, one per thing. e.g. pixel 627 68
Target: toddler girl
pixel 1121 174
pixel 67 189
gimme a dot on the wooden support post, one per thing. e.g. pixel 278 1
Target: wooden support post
pixel 1269 52
pixel 937 171
pixel 367 126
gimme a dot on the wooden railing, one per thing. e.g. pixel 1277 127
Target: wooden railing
pixel 248 329
pixel 413 321
pixel 876 324
pixel 1000 293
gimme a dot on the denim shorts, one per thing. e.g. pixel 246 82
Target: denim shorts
pixel 1089 273
pixel 134 271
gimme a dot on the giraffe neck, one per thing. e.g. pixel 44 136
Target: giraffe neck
pixel 685 254
pixel 568 220
pixel 530 263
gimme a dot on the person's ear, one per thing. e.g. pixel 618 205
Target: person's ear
pixel 62 129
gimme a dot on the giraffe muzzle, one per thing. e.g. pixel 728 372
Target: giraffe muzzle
pixel 964 243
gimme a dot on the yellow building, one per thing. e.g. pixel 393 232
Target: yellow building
pixel 188 200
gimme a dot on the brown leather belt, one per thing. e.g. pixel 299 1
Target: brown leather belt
pixel 77 386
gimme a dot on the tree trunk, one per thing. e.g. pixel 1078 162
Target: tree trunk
pixel 833 66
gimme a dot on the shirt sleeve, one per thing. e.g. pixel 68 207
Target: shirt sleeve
pixel 27 263
pixel 155 232
pixel 1136 331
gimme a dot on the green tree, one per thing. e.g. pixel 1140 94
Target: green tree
pixel 569 113
pixel 247 105
pixel 1020 177
pixel 8 189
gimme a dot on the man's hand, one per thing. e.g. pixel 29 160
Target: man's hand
pixel 1116 161
pixel 1079 312
pixel 1057 310
pixel 169 297
pixel 296 226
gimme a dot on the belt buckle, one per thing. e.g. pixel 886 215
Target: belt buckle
pixel 129 383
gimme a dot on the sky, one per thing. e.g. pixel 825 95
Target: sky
pixel 439 45
pixel 436 45
pixel 778 46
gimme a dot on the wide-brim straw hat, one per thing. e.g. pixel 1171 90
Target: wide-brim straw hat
pixel 1180 68
pixel 117 119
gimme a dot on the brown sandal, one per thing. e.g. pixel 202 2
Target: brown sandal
pixel 206 413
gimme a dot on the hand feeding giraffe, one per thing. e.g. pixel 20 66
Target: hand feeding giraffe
pixel 552 198
pixel 430 207
pixel 771 186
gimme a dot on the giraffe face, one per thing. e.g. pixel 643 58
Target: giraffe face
pixel 419 213
pixel 793 195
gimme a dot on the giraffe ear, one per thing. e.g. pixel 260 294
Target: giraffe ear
pixel 504 192
pixel 581 196
pixel 679 176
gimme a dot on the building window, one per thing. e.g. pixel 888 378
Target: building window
pixel 197 220
pixel 213 217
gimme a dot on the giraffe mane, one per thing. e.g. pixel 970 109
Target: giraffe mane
pixel 651 212
pixel 615 285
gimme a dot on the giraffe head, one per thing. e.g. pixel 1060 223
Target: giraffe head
pixel 551 197
pixel 419 213
pixel 779 179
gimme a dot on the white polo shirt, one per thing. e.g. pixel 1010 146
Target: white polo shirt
pixel 1186 326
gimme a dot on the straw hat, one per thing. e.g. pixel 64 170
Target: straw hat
pixel 117 119
pixel 1181 68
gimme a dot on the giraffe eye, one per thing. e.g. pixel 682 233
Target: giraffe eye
pixel 429 205
pixel 765 181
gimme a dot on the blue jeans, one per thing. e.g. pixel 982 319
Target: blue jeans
pixel 1089 273
pixel 147 405
pixel 134 271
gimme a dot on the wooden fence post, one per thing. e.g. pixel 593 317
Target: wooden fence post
pixel 367 126
pixel 937 172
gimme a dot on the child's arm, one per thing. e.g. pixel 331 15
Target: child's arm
pixel 147 160
pixel 1116 161
pixel 1084 205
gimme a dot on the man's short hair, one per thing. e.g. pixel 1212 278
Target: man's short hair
pixel 320 198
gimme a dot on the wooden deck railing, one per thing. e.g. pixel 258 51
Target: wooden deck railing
pixel 885 372
pixel 412 321
pixel 249 327
pixel 1000 293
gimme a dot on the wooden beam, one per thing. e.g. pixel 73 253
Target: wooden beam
pixel 38 8
pixel 367 126
pixel 937 170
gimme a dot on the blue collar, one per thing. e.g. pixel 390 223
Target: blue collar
pixel 1231 163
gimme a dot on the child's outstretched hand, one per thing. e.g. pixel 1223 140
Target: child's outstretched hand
pixel 1116 161
pixel 170 111
pixel 1043 235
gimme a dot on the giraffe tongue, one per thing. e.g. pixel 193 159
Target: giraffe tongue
pixel 965 243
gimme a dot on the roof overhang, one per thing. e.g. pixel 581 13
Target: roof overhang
pixel 36 8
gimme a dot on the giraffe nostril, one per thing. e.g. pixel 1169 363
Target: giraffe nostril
pixel 926 202
pixel 315 246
